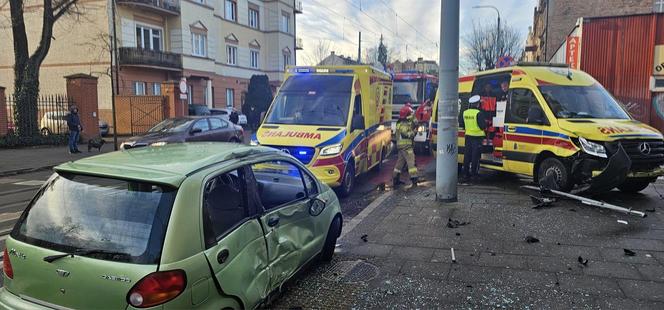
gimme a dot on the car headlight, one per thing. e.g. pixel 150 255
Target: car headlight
pixel 331 150
pixel 125 145
pixel 592 148
pixel 160 143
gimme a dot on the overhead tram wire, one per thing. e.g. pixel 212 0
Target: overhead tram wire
pixel 407 23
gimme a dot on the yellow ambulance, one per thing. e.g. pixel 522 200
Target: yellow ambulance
pixel 334 119
pixel 555 123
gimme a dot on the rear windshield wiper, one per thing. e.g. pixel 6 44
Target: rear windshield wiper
pixel 83 252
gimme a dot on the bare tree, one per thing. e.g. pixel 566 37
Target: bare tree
pixel 26 66
pixel 319 52
pixel 482 51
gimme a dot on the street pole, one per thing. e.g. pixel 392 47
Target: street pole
pixel 359 48
pixel 114 82
pixel 498 38
pixel 448 102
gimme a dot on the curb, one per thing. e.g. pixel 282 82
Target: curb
pixel 25 170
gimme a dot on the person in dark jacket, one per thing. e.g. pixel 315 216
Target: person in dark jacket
pixel 234 117
pixel 75 128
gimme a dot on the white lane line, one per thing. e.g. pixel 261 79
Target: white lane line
pixel 8 180
pixel 358 218
pixel 30 183
pixel 9 216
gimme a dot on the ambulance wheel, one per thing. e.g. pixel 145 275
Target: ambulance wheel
pixel 348 180
pixel 634 186
pixel 553 174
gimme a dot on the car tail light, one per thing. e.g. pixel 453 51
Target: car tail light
pixel 7 265
pixel 157 288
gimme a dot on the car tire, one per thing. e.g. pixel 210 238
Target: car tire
pixel 634 186
pixel 553 167
pixel 331 240
pixel 348 180
pixel 45 132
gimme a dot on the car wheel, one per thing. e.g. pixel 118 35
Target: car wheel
pixel 634 186
pixel 331 240
pixel 45 132
pixel 348 180
pixel 553 174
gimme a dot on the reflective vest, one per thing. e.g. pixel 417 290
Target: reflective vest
pixel 405 133
pixel 470 121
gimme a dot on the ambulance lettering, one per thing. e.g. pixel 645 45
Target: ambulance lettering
pixel 615 130
pixel 292 134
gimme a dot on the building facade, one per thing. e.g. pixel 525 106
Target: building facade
pixel 557 17
pixel 338 60
pixel 217 45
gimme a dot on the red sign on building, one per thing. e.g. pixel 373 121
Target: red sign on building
pixel 572 56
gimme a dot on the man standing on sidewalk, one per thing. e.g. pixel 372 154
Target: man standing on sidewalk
pixel 474 125
pixel 75 128
pixel 405 134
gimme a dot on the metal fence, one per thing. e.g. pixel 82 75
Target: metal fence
pixel 51 116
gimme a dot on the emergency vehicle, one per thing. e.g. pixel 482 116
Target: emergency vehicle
pixel 334 119
pixel 557 123
pixel 415 88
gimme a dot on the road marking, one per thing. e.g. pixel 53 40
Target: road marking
pixel 30 183
pixel 10 216
pixel 357 219
pixel 8 180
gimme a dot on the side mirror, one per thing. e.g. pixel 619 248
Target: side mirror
pixel 357 123
pixel 316 206
pixel 194 131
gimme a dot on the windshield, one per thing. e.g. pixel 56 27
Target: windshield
pixel 77 212
pixel 582 102
pixel 406 91
pixel 319 100
pixel 172 125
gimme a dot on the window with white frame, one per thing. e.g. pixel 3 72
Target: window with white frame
pixel 190 94
pixel 230 97
pixel 156 89
pixel 231 55
pixel 231 10
pixel 199 44
pixel 286 60
pixel 253 59
pixel 139 88
pixel 149 38
pixel 254 18
pixel 285 22
pixel 658 6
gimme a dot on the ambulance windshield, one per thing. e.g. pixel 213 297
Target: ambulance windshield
pixel 582 102
pixel 318 100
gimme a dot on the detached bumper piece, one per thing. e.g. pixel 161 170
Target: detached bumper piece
pixel 614 173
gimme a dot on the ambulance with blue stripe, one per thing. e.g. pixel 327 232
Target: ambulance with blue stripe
pixel 561 127
pixel 334 119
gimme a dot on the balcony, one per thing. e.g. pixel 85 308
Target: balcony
pixel 298 44
pixel 132 56
pixel 298 7
pixel 170 7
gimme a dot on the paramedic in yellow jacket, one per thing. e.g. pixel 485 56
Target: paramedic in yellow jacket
pixel 405 133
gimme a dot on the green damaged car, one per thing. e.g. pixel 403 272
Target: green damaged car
pixel 199 225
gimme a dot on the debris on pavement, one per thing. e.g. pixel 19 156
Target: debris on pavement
pixel 629 252
pixel 541 202
pixel 650 210
pixel 531 239
pixel 455 223
pixel 583 261
pixel 586 201
pixel 458 234
pixel 453 257
pixel 623 222
pixel 648 256
pixel 365 238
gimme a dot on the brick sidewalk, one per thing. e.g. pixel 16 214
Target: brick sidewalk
pixel 406 261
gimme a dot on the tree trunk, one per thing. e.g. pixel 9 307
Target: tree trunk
pixel 26 95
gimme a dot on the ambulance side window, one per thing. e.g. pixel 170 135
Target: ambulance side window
pixel 521 102
pixel 463 106
pixel 357 106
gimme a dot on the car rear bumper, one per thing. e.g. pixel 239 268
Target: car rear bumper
pixel 10 301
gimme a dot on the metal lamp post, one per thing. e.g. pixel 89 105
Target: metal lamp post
pixel 498 33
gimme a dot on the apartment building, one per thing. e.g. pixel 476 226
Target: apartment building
pixel 217 45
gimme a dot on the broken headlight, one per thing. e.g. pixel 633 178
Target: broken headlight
pixel 592 148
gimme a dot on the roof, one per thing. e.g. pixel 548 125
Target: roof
pixel 169 164
pixel 545 74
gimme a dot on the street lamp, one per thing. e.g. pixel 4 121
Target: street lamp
pixel 498 33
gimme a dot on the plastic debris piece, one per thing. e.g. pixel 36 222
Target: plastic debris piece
pixel 629 252
pixel 623 222
pixel 365 238
pixel 453 257
pixel 531 239
pixel 455 223
pixel 583 261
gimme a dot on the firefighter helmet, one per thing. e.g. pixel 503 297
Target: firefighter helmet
pixel 405 112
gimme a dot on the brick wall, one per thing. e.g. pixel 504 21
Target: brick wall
pixel 129 75
pixel 564 14
pixel 82 89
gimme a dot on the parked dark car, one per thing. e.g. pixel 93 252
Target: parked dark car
pixel 199 110
pixel 187 129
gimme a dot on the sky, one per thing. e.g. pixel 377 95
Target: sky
pixel 411 28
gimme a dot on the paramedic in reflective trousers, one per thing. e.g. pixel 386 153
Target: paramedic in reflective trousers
pixel 405 133
pixel 474 125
